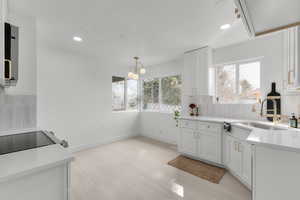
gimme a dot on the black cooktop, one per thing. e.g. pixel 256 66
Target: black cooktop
pixel 23 141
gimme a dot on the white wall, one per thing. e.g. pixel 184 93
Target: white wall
pixel 74 99
pixel 271 49
pixel 157 125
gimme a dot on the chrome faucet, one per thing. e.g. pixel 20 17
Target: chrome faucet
pixel 276 119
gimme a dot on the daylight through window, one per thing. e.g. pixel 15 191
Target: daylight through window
pixel 162 94
pixel 124 94
pixel 238 83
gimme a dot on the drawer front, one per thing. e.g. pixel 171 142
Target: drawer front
pixel 188 124
pixel 211 127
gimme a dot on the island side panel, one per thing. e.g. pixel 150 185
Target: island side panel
pixel 276 174
pixel 49 184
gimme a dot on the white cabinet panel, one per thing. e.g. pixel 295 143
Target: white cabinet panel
pixel 209 146
pixel 189 73
pixel 239 159
pixel 246 150
pixel 195 76
pixel 188 142
pixel 195 72
pixel 201 140
pixel 291 59
pixel 48 184
pixel 234 159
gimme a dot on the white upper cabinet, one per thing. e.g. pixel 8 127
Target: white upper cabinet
pixel 195 74
pixel 265 16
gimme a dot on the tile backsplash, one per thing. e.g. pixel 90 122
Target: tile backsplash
pixel 290 104
pixel 237 111
pixel 17 112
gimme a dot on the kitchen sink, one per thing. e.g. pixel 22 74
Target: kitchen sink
pixel 262 125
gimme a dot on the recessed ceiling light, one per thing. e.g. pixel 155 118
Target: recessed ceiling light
pixel 77 39
pixel 225 26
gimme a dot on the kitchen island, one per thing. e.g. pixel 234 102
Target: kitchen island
pixel 37 173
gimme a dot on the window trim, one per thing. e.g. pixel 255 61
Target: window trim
pixel 237 77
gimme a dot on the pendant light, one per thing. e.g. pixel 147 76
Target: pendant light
pixel 138 70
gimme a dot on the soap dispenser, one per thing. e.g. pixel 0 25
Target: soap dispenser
pixel 293 121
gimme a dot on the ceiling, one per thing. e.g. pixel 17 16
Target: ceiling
pixel 155 30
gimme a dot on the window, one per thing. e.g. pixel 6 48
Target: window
pixel 238 83
pixel 124 94
pixel 162 94
pixel 151 94
pixel 170 92
pixel 132 94
pixel 118 93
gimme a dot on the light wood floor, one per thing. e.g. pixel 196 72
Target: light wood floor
pixel 136 169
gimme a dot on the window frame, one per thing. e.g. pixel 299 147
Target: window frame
pixel 125 108
pixel 237 79
pixel 159 95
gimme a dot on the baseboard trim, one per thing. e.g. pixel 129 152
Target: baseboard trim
pixel 158 139
pixel 99 143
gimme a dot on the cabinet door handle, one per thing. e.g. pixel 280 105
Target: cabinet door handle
pixel 240 147
pixel 234 143
pixel 236 146
pixel 7 69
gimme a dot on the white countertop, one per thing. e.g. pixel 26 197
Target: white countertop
pixel 14 165
pixel 281 139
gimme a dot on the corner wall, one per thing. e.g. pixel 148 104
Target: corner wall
pixel 158 125
pixel 74 99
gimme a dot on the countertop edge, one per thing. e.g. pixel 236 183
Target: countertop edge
pixel 273 146
pixel 32 170
pixel 33 160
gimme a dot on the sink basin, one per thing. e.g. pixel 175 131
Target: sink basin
pixel 262 126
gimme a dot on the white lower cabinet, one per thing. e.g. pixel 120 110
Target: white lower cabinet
pixel 238 159
pixel 234 157
pixel 247 163
pixel 188 142
pixel 209 146
pixel 203 140
pixel 204 144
